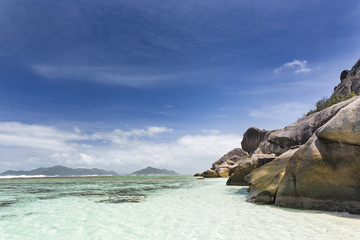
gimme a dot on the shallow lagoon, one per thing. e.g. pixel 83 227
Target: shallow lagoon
pixel 154 208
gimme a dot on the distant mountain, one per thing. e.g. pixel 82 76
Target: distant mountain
pixel 154 171
pixel 60 171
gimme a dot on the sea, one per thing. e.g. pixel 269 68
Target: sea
pixel 154 207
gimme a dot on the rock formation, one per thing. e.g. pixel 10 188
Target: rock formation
pixel 246 166
pixel 264 181
pixel 311 164
pixel 324 173
pixel 210 173
pixel 226 165
pixel 252 138
pixel 280 141
pixel 351 82
pixel 321 174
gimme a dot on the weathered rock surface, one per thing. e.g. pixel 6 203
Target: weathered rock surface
pixel 210 174
pixel 235 152
pixel 264 146
pixel 298 133
pixel 344 127
pixel 246 166
pixel 265 180
pixel 344 74
pixel 223 172
pixel 252 138
pixel 226 164
pixel 349 84
pixel 324 173
pixel 311 164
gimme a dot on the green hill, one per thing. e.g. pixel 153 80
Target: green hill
pixel 60 171
pixel 154 171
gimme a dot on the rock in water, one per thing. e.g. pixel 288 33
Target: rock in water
pixel 324 173
pixel 246 166
pixel 235 152
pixel 210 174
pixel 226 164
pixel 265 180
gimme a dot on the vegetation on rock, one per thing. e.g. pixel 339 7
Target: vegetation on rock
pixel 328 102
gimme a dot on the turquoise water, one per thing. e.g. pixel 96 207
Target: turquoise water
pixel 154 208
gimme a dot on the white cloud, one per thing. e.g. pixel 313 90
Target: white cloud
pixel 296 65
pixel 211 131
pixel 286 112
pixel 163 113
pixel 116 75
pixel 24 146
pixel 36 136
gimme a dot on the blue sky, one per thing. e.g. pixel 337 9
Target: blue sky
pixel 126 84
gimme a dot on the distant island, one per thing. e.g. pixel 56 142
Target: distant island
pixel 154 171
pixel 60 171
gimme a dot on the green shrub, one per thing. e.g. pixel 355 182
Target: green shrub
pixel 327 102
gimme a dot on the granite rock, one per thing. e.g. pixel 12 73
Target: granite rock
pixel 246 166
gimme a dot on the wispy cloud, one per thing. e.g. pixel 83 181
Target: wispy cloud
pixel 24 146
pixel 163 113
pixel 115 75
pixel 296 65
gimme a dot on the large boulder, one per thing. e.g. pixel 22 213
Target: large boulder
pixel 252 138
pixel 226 164
pixel 223 172
pixel 210 174
pixel 280 141
pixel 246 166
pixel 235 152
pixel 324 173
pixel 264 181
pixel 350 81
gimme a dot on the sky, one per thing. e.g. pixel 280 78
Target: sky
pixel 125 84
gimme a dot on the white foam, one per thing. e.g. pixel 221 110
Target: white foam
pixel 26 176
